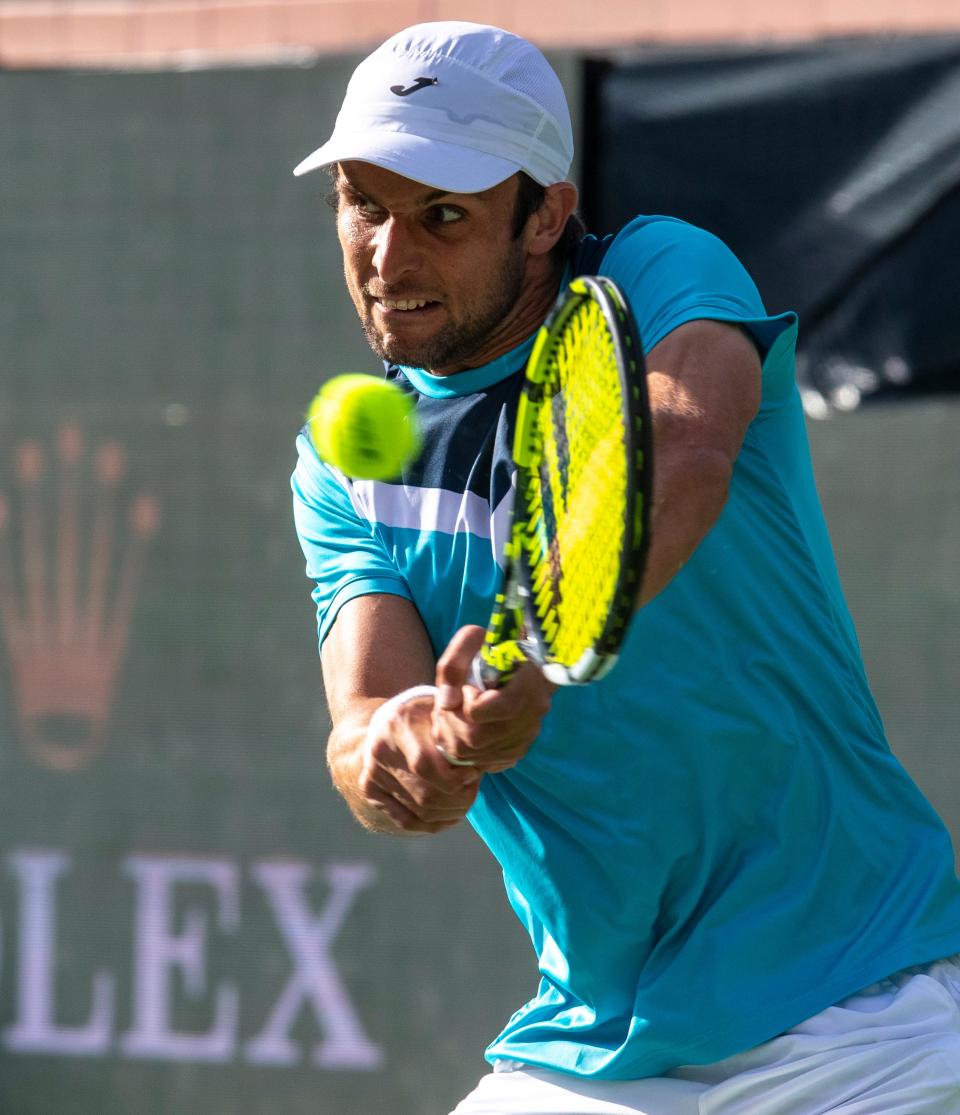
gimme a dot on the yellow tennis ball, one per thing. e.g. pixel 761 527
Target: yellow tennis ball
pixel 364 426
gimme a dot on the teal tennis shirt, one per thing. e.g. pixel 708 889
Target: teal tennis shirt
pixel 714 842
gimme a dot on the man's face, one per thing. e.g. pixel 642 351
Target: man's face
pixel 436 277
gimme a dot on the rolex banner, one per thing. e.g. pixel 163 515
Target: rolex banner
pixel 190 921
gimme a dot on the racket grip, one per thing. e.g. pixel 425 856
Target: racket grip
pixel 482 675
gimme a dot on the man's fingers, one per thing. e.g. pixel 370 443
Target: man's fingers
pixel 406 777
pixel 494 728
pixel 489 729
pixel 527 693
pixel 415 762
pixel 391 788
pixel 408 821
pixel 488 747
pixel 453 667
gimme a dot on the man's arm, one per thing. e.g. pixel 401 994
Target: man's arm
pixel 393 775
pixel 377 648
pixel 704 384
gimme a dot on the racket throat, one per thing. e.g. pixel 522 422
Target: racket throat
pixel 497 663
pixel 590 667
pixel 508 643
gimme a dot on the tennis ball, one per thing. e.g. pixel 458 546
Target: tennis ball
pixel 364 426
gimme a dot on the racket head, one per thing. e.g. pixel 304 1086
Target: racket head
pixel 579 535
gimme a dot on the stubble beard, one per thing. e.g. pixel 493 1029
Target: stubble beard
pixel 456 343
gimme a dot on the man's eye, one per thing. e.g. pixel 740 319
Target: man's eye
pixel 447 214
pixel 363 205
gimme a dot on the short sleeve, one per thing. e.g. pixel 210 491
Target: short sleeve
pixel 345 559
pixel 673 272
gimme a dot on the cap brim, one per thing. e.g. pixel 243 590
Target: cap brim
pixel 444 166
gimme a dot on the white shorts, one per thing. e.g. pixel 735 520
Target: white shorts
pixel 891 1049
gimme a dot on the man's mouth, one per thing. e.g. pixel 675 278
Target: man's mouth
pixel 404 303
pixel 400 304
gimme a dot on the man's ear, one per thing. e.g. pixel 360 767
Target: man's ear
pixel 546 224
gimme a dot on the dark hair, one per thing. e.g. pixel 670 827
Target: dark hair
pixel 332 196
pixel 530 197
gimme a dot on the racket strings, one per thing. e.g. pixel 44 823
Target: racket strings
pixel 574 557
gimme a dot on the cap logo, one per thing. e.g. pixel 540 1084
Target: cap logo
pixel 419 83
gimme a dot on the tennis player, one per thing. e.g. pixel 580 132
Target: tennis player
pixel 739 902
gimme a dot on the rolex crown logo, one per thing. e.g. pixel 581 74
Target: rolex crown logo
pixel 70 569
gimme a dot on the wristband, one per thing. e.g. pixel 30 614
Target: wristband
pixel 379 720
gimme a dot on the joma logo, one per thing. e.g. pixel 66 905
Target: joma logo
pixel 420 83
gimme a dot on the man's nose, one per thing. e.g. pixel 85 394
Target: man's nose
pixel 396 252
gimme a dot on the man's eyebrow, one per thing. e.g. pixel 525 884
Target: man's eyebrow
pixel 427 198
pixel 434 195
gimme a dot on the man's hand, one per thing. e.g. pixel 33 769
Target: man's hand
pixel 404 775
pixel 492 729
pixel 389 767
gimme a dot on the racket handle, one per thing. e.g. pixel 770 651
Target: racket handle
pixel 508 656
pixel 482 675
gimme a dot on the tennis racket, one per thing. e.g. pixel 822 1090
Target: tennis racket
pixel 579 534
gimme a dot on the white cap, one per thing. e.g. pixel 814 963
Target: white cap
pixel 457 106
